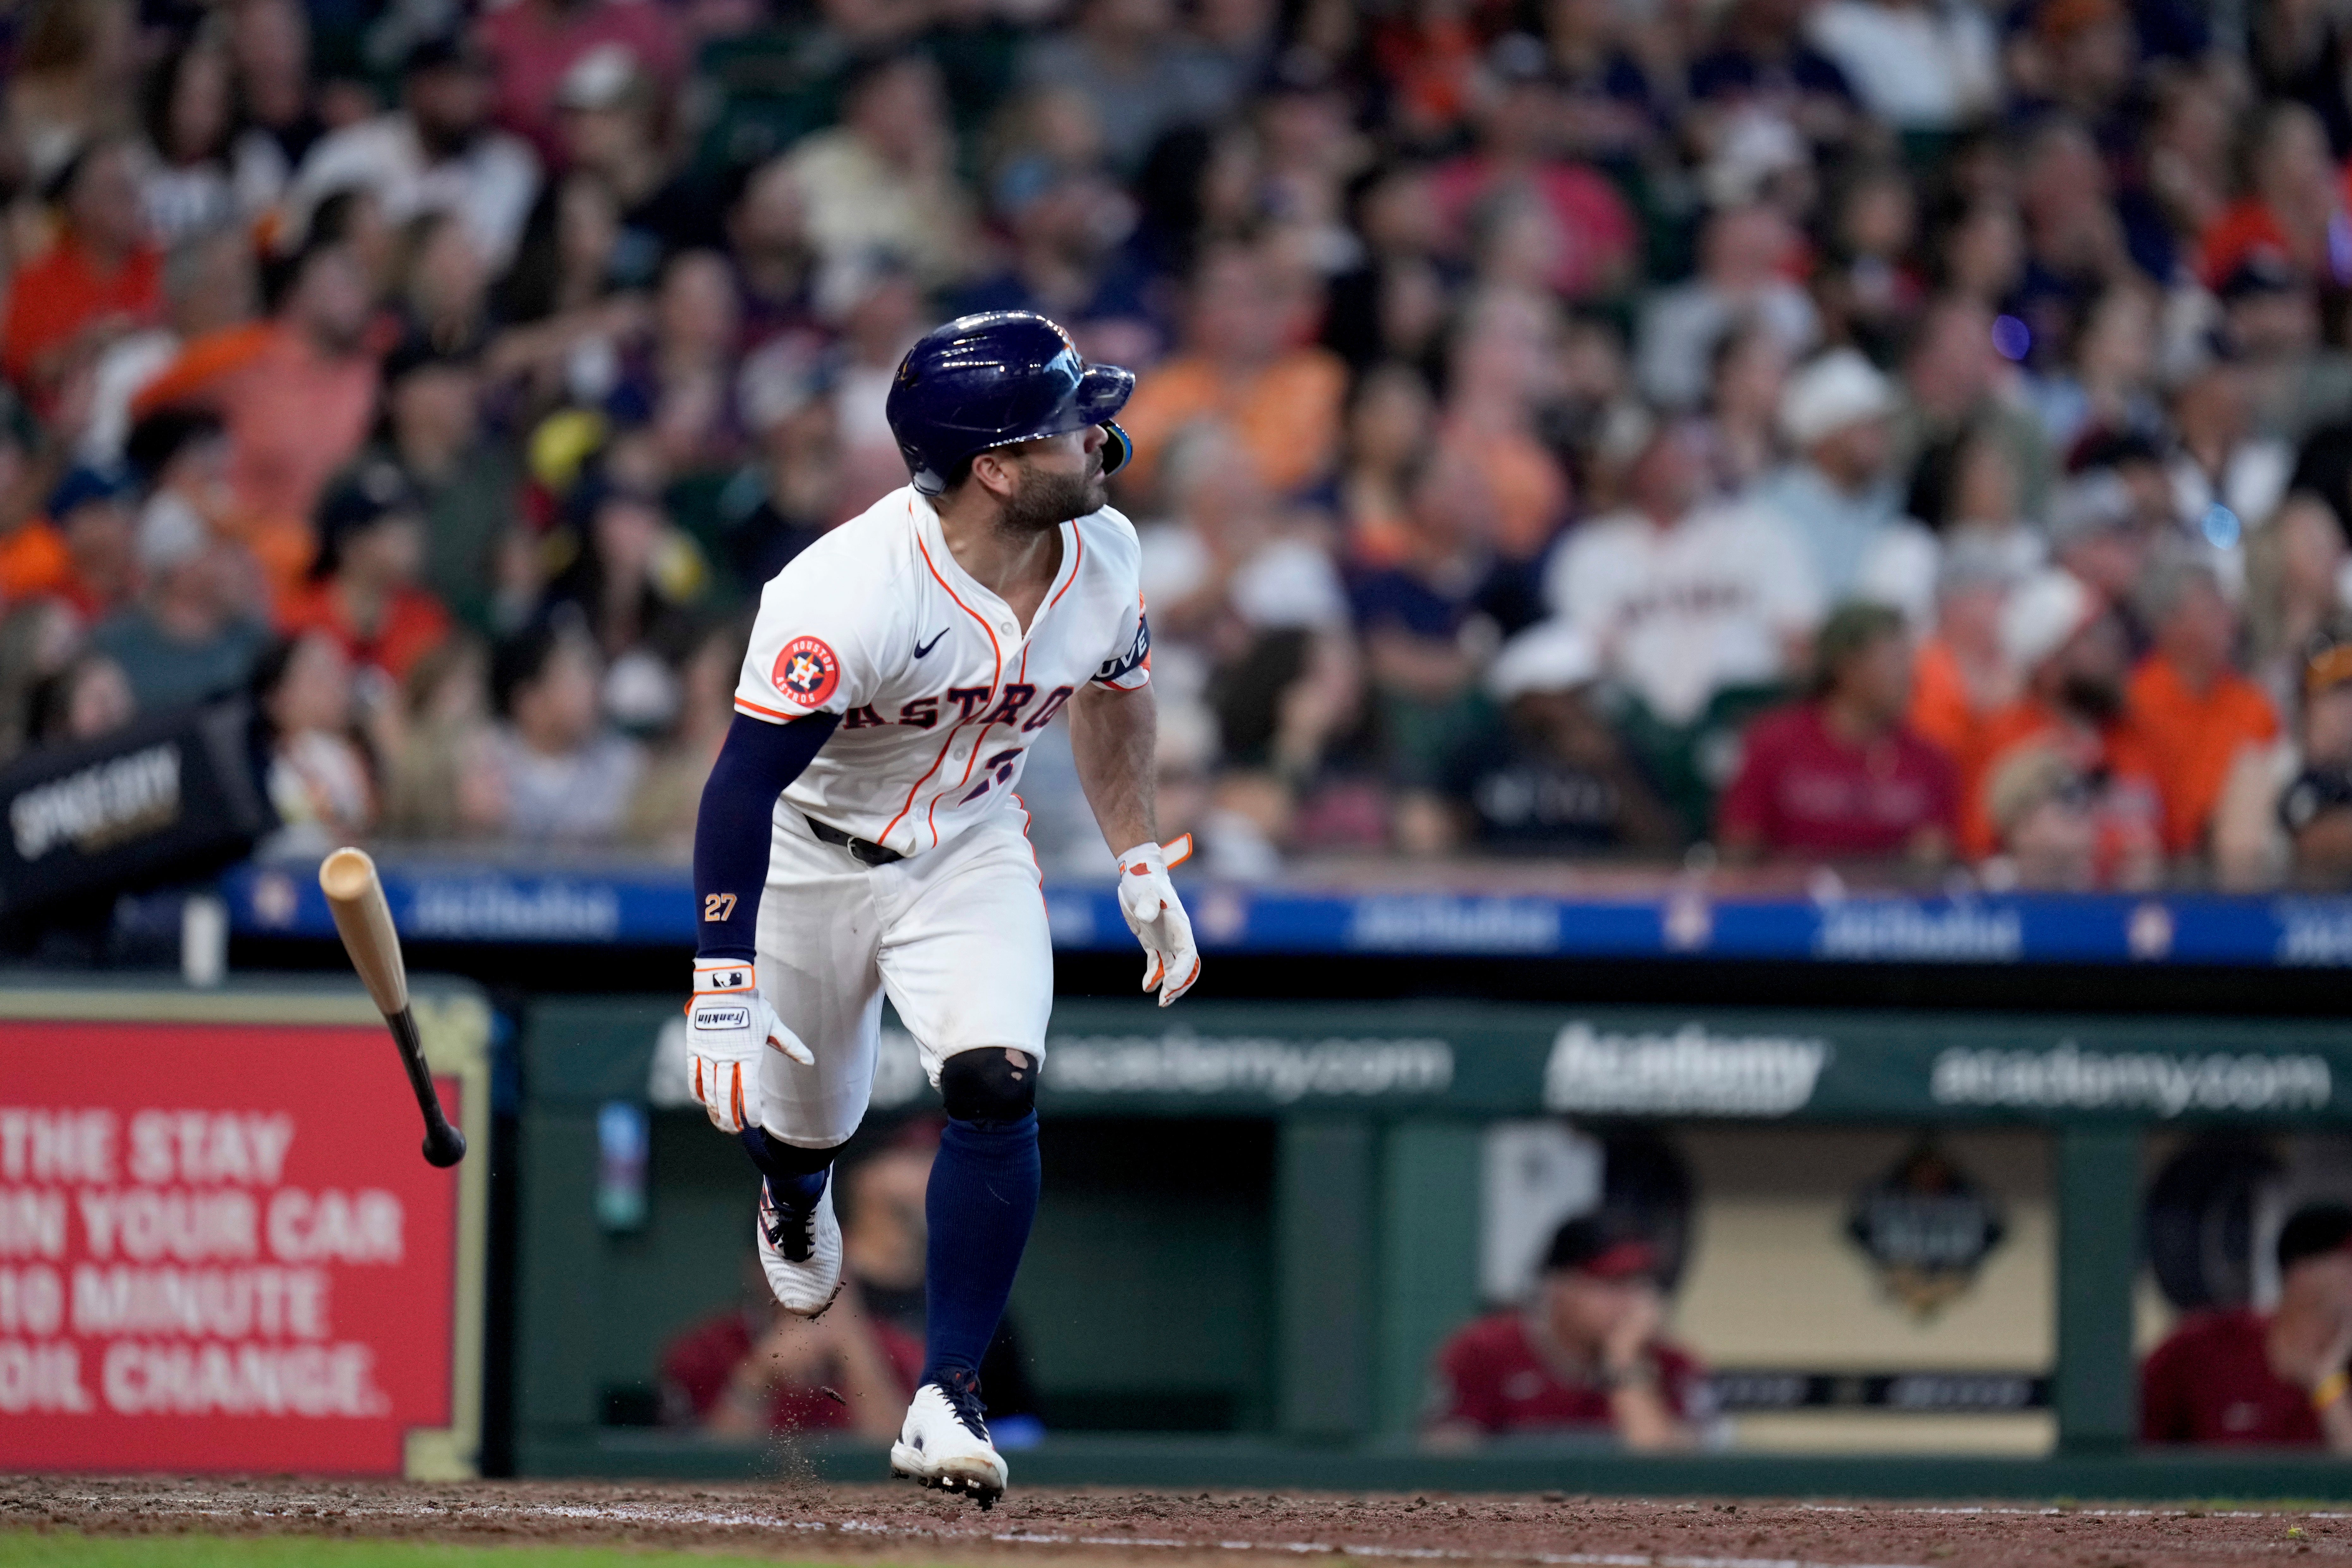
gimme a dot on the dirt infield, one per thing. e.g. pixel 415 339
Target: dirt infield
pixel 808 1522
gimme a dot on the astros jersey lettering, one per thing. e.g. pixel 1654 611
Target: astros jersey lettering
pixel 940 692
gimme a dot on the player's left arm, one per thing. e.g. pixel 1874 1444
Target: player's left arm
pixel 1114 733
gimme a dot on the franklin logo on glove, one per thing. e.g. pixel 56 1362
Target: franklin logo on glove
pixel 728 1025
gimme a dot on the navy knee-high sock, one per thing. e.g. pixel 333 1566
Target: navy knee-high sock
pixel 795 1175
pixel 979 1205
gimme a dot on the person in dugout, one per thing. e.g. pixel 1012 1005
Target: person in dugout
pixel 2236 1375
pixel 1584 1357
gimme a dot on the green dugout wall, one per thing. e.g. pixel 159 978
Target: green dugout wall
pixel 1261 1219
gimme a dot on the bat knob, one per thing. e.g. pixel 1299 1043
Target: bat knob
pixel 444 1145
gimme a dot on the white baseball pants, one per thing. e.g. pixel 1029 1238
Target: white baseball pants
pixel 956 937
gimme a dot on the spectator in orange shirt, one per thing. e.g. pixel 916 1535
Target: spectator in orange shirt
pixel 2195 711
pixel 1500 360
pixel 1240 367
pixel 2294 201
pixel 100 279
pixel 1963 677
pixel 2072 647
pixel 31 554
pixel 82 552
pixel 1428 57
pixel 364 587
pixel 298 408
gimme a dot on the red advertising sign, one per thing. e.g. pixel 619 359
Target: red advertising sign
pixel 219 1250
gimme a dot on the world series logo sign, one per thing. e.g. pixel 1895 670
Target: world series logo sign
pixel 1928 1226
pixel 806 671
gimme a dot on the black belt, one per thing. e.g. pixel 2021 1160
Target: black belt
pixel 864 850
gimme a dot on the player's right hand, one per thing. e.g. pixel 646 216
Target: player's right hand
pixel 728 1025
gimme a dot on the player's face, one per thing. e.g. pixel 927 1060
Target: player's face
pixel 1057 478
pixel 1585 1310
pixel 2329 1278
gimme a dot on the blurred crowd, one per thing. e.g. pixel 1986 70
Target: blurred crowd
pixel 1903 434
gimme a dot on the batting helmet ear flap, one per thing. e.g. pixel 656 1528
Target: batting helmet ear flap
pixel 1118 450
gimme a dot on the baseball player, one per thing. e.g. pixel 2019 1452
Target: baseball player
pixel 859 835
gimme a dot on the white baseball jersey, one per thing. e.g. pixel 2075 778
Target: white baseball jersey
pixel 1680 612
pixel 940 689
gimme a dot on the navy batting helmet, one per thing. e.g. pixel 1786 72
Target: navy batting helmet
pixel 994 379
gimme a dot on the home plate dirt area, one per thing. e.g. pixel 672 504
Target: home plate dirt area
pixel 808 1522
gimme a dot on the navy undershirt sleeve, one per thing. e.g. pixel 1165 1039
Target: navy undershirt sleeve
pixel 731 830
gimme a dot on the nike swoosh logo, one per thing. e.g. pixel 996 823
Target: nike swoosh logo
pixel 922 648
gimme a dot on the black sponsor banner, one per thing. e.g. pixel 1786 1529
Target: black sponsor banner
pixel 1480 1059
pixel 166 796
pixel 1696 1064
pixel 1753 1391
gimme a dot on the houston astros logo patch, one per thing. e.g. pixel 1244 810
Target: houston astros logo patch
pixel 806 671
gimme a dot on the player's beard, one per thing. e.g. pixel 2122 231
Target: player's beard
pixel 1048 501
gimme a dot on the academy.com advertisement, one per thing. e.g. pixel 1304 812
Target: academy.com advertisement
pixel 219 1250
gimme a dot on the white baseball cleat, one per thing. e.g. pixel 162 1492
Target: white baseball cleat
pixel 801 1252
pixel 945 1442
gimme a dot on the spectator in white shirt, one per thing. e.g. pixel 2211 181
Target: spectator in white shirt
pixel 188 187
pixel 1225 568
pixel 1684 597
pixel 208 285
pixel 1920 65
pixel 561 774
pixel 1743 274
pixel 1840 495
pixel 884 179
pixel 438 151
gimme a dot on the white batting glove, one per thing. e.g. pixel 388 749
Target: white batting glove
pixel 728 1023
pixel 1156 915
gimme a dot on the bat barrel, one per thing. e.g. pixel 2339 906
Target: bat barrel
pixel 355 897
pixel 363 920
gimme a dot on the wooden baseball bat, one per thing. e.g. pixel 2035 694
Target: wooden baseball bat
pixel 355 898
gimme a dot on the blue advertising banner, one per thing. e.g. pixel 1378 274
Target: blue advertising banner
pixel 434 900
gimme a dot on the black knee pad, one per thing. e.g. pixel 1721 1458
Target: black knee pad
pixel 781 1159
pixel 986 1086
